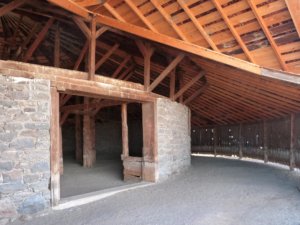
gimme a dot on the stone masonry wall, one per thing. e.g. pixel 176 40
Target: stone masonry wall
pixel 173 138
pixel 24 147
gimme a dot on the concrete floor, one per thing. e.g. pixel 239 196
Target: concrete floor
pixel 214 191
pixel 77 180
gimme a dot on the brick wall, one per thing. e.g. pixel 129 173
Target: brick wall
pixel 24 146
pixel 173 138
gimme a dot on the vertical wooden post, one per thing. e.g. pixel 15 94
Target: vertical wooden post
pixel 89 151
pixel 292 143
pixel 92 50
pixel 78 135
pixel 57 46
pixel 125 147
pixel 241 142
pixel 61 161
pixel 147 66
pixel 149 142
pixel 172 84
pixel 55 152
pixel 265 134
pixel 215 135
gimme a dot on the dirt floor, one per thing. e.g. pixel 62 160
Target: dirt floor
pixel 77 180
pixel 214 191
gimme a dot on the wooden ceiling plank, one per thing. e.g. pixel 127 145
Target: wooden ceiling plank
pixel 106 56
pixel 170 21
pixel 294 8
pixel 166 72
pixel 233 31
pixel 38 40
pixel 140 15
pixel 11 6
pixel 268 34
pixel 189 84
pixel 198 25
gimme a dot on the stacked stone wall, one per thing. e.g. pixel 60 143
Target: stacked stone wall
pixel 24 147
pixel 173 138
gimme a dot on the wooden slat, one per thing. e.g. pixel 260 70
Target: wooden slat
pixel 195 95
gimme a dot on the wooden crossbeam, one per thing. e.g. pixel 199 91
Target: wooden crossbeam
pixel 100 31
pixel 178 44
pixel 106 56
pixel 294 9
pixel 168 18
pixel 38 40
pixel 166 72
pixel 189 84
pixel 109 8
pixel 233 31
pixel 90 106
pixel 121 66
pixel 268 34
pixel 197 24
pixel 83 27
pixel 140 15
pixel 195 94
pixel 11 6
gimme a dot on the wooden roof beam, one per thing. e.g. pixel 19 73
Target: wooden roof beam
pixel 195 94
pixel 121 66
pixel 106 56
pixel 73 7
pixel 166 72
pixel 189 84
pixel 178 44
pixel 140 15
pixel 168 18
pixel 81 55
pixel 198 25
pixel 294 8
pixel 38 40
pixel 11 6
pixel 233 31
pixel 268 34
pixel 110 9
